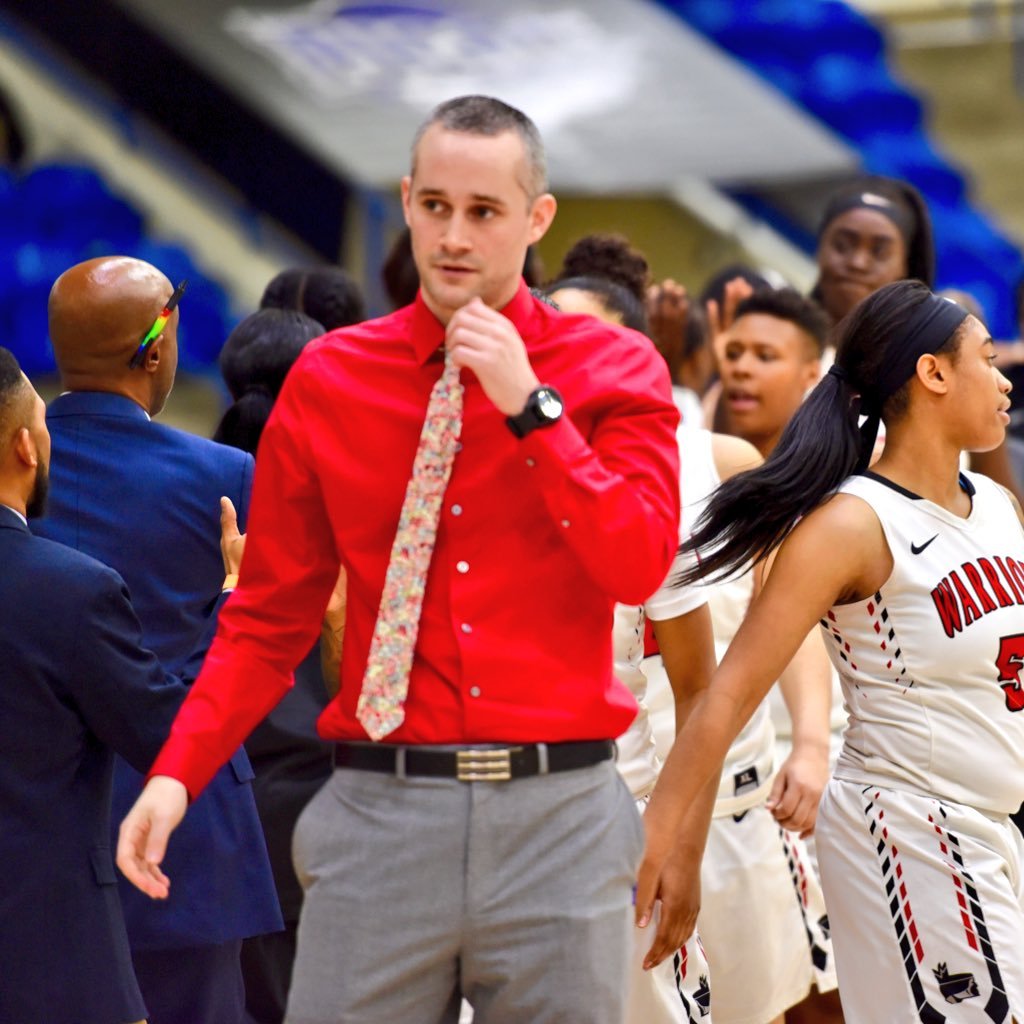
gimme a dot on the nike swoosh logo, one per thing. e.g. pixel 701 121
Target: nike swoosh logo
pixel 916 549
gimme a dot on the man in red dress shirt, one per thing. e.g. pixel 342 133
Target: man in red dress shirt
pixel 423 883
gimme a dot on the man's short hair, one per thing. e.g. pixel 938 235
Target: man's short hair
pixel 789 304
pixel 485 115
pixel 12 386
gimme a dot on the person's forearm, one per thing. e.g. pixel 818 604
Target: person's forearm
pixel 689 777
pixel 696 821
pixel 806 688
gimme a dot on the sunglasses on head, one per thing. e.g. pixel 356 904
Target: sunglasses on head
pixel 158 326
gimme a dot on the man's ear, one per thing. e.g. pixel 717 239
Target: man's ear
pixel 933 372
pixel 154 353
pixel 406 194
pixel 542 213
pixel 25 448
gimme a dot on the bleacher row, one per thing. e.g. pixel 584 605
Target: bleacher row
pixel 56 215
pixel 831 60
pixel 825 56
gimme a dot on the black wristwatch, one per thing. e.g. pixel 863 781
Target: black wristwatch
pixel 543 408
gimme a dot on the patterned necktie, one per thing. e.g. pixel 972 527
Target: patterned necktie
pixel 381 707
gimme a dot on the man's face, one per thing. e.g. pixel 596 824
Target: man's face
pixel 767 366
pixel 35 507
pixel 471 218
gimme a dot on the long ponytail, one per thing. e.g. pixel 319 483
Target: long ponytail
pixel 878 346
pixel 750 514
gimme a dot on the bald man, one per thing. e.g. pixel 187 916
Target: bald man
pixel 144 499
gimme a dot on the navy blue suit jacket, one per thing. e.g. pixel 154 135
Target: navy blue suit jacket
pixel 74 683
pixel 144 499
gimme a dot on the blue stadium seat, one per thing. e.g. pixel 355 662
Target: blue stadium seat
pixel 858 99
pixel 831 59
pixel 60 214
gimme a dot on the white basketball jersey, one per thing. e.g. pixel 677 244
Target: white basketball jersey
pixel 636 757
pixel 930 665
pixel 746 774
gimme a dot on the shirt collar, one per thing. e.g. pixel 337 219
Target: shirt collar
pixel 106 403
pixel 428 331
pixel 15 512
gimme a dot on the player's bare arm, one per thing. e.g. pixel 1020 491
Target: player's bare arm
pixel 687 649
pixel 806 687
pixel 843 542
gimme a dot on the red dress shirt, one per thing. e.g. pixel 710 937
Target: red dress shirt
pixel 538 539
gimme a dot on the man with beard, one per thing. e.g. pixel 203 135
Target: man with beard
pixel 143 498
pixel 76 685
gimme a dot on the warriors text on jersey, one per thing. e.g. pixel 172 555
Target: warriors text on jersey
pixel 931 663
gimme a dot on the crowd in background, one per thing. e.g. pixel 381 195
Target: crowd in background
pixel 742 349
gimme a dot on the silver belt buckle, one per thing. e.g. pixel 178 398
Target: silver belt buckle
pixel 483 765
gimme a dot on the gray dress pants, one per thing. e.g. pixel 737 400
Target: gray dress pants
pixel 516 894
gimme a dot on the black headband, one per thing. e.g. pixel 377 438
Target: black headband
pixel 932 324
pixel 903 218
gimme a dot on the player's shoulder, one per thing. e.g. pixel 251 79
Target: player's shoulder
pixel 733 455
pixel 844 508
pixel 845 519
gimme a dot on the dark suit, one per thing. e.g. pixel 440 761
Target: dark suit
pixel 144 499
pixel 75 685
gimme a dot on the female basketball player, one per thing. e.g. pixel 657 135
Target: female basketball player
pixel 916 572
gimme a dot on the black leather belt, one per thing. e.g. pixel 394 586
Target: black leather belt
pixel 474 764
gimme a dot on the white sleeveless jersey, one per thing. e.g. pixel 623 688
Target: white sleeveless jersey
pixel 637 758
pixel 930 665
pixel 746 774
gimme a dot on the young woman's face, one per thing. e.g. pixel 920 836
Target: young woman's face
pixel 859 251
pixel 767 365
pixel 978 391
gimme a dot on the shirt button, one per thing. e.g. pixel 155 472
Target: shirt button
pixel 466 628
pixel 565 522
pixel 462 566
pixel 456 510
pixel 474 691
pixel 530 462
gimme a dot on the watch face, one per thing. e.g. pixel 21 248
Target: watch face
pixel 549 404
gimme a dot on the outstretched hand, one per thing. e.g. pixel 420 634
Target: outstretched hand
pixel 668 309
pixel 142 841
pixel 721 317
pixel 232 543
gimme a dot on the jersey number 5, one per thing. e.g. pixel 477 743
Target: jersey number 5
pixel 1009 662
